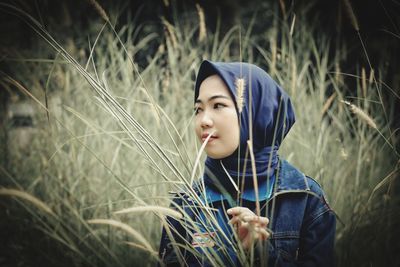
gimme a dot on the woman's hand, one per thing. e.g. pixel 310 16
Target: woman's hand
pixel 248 225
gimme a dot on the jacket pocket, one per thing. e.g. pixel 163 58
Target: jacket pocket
pixel 286 246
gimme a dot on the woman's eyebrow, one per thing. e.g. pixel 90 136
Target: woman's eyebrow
pixel 212 98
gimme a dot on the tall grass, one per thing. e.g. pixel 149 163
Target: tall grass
pixel 112 134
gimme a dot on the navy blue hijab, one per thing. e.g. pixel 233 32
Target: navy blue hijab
pixel 272 116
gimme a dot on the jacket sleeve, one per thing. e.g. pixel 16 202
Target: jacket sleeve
pixel 172 233
pixel 318 232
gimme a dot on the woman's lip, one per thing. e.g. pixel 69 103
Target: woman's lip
pixel 204 137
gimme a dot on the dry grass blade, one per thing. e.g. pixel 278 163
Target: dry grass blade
pixel 371 77
pixel 292 25
pixel 171 32
pixel 127 229
pixel 197 161
pixel 255 182
pixel 157 209
pixel 10 80
pixel 230 177
pixel 132 244
pixel 388 179
pixel 361 114
pixel 28 197
pixel 274 52
pixel 294 76
pixel 384 182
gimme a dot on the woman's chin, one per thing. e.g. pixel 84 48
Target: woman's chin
pixel 211 153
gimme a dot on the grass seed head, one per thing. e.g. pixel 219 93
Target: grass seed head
pixel 351 14
pixel 361 114
pixel 166 3
pixel 28 197
pixel 240 85
pixel 99 9
pixel 328 104
pixel 364 82
pixel 202 23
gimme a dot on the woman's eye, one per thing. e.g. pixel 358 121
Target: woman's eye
pixel 197 110
pixel 219 105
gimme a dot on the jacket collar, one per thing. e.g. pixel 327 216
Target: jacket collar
pixel 290 178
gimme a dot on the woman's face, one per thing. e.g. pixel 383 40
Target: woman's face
pixel 216 113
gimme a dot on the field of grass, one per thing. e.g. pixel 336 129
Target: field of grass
pixel 111 132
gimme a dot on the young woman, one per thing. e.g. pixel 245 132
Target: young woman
pixel 262 210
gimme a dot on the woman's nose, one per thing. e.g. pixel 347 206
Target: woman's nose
pixel 206 120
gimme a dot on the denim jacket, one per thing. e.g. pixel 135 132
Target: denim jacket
pixel 301 222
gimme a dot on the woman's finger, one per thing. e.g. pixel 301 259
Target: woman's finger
pixel 263 234
pixel 247 215
pixel 252 219
pixel 263 221
pixel 238 210
pixel 235 220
